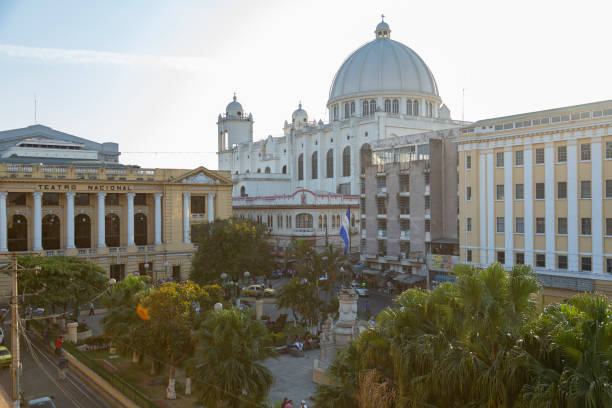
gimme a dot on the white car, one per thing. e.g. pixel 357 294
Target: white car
pixel 362 292
pixel 1 336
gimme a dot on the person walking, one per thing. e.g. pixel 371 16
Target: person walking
pixel 284 403
pixel 92 311
pixel 303 404
pixel 58 346
pixel 289 404
pixel 62 366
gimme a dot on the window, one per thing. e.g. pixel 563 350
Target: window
pixel 347 110
pixel 562 226
pixel 198 204
pixel 268 170
pixel 395 106
pixel 427 203
pixel 50 199
pixel 562 261
pixel 409 107
pixel 519 193
pixel 608 150
pixel 539 156
pixel 540 260
pixel 372 106
pixel 585 151
pixel 346 162
pixel 17 198
pixel 468 225
pixel 468 193
pixel 585 226
pixel 429 109
pixel 427 225
pixel 608 188
pixel 352 108
pixel 315 166
pixel 387 105
pixel 415 108
pixel 520 258
pixel 111 199
pixel 426 178
pixel 335 112
pixel 540 225
pixel 365 109
pixel 499 159
pixel 501 257
pixel 301 166
pixel 585 263
pixel 518 158
pixel 585 189
pixel 500 224
pixel 303 220
pixel 540 191
pixel 82 199
pixel 520 225
pixel 499 191
pixel 562 190
pixel 285 169
pixel 330 163
pixel 468 162
pixel 609 265
pixel 469 255
pixel 562 154
pixel 609 226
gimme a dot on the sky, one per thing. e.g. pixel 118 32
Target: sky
pixel 154 75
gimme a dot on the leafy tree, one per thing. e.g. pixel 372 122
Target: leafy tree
pixel 230 349
pixel 301 298
pixel 60 282
pixel 230 246
pixel 172 318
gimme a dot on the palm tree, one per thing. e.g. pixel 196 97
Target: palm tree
pixel 229 354
pixel 301 298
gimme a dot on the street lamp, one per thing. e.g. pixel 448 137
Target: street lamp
pixel 246 276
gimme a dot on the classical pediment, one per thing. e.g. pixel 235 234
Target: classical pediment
pixel 199 178
pixel 202 176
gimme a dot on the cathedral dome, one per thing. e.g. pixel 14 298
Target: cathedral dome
pixel 234 108
pixel 382 66
pixel 299 115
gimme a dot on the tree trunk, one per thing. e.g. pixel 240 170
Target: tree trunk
pixel 171 390
pixel 135 357
pixel 188 386
pixel 153 368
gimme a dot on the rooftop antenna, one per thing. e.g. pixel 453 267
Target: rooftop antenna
pixel 35 110
pixel 463 105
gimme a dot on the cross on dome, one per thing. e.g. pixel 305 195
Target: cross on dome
pixel 382 29
pixel 234 96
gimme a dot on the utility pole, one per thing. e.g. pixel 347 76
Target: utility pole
pixel 16 360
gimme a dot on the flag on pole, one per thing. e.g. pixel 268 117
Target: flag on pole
pixel 344 230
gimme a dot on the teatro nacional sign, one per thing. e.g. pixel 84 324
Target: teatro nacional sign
pixel 85 187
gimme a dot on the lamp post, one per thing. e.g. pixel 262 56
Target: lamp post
pixel 224 283
pixel 246 277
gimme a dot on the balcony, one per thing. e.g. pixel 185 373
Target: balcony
pixel 404 193
pixel 382 234
pixel 405 235
pixel 404 216
pixel 381 191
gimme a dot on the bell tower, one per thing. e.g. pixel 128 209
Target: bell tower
pixel 234 127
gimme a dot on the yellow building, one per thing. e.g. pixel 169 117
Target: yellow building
pixel 124 218
pixel 536 188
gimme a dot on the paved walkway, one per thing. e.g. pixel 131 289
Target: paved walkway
pixel 293 377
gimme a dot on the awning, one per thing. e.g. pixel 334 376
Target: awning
pixel 408 279
pixel 370 271
pixel 444 278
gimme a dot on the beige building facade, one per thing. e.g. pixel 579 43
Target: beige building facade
pixel 536 189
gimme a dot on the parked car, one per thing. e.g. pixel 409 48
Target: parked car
pixel 44 402
pixel 276 275
pixel 258 290
pixel 1 336
pixel 362 292
pixel 5 357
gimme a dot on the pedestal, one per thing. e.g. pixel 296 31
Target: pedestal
pixel 72 332
pixel 258 308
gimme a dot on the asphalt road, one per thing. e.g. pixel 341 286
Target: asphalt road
pixel 40 379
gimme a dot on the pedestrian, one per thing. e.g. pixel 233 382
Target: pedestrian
pixel 367 310
pixel 284 403
pixel 62 366
pixel 58 346
pixel 303 404
pixel 289 404
pixel 92 311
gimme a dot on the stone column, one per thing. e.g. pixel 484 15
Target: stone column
pixel 3 224
pixel 258 308
pixel 158 218
pixel 130 219
pixel 186 213
pixel 211 207
pixel 70 220
pixel 37 221
pixel 101 221
pixel 72 332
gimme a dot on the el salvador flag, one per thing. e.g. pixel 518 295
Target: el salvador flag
pixel 344 229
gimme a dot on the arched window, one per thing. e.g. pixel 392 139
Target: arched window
pixel 315 166
pixel 320 222
pixel 17 234
pixel 325 221
pixel 51 231
pixel 243 191
pixel 429 109
pixel 285 169
pixel 365 158
pixel 267 170
pixel 366 109
pixel 259 170
pixel 347 110
pixel 113 230
pixel 387 105
pixel 330 163
pixel 352 221
pixel 335 112
pixel 409 107
pixel 303 220
pixel 346 162
pixel 248 171
pixel 140 229
pixel 372 106
pixel 352 108
pixel 82 231
pixel 395 108
pixel 338 221
pixel 301 166
pixel 415 108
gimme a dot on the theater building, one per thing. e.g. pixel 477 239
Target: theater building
pixel 63 195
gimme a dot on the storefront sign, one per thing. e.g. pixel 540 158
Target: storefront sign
pixel 442 261
pixel 85 187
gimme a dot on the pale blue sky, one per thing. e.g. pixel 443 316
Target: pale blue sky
pixel 154 75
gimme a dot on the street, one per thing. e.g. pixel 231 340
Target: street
pixel 40 379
